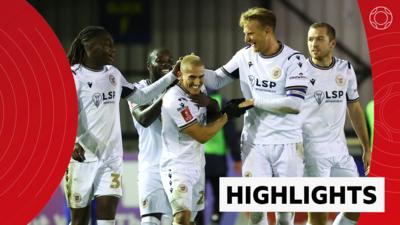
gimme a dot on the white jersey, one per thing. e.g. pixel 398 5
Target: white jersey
pixel 99 129
pixel 329 91
pixel 181 151
pixel 269 77
pixel 149 139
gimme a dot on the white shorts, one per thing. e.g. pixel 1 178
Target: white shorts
pixel 334 162
pixel 185 189
pixel 279 160
pixel 87 180
pixel 152 195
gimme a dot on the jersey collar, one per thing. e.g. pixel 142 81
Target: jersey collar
pixel 321 67
pixel 281 46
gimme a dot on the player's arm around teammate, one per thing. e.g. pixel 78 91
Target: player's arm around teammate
pixel 154 206
pixel 159 63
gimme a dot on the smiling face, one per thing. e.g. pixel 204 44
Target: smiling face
pixel 159 64
pixel 256 35
pixel 192 78
pixel 320 46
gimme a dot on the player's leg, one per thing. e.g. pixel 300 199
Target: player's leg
pixel 78 191
pixel 345 167
pixel 317 164
pixel 153 207
pixel 166 219
pixel 216 167
pixel 198 196
pixel 182 218
pixel 151 219
pixel 107 192
pixel 287 161
pixel 284 218
pixel 216 214
pixel 106 209
pixel 256 164
pixel 153 200
pixel 80 216
pixel 178 186
pixel 317 218
pixel 317 168
pixel 346 219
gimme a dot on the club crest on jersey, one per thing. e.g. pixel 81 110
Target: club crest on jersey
pixel 111 78
pixel 319 96
pixel 182 188
pixel 276 73
pixel 248 174
pixel 145 203
pixel 252 80
pixel 77 197
pixel 186 114
pixel 340 81
pixel 97 98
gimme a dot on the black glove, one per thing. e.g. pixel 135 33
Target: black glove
pixel 232 108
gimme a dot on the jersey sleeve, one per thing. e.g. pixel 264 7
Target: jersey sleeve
pixel 152 91
pixel 351 93
pixel 182 111
pixel 296 79
pixel 126 88
pixel 139 85
pixel 231 68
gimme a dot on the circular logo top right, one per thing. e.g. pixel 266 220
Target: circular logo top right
pixel 381 18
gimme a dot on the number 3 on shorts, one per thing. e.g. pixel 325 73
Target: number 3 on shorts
pixel 116 183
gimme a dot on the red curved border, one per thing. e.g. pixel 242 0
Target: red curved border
pixel 384 45
pixel 38 112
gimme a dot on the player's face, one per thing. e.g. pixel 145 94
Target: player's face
pixel 100 50
pixel 161 64
pixel 319 45
pixel 192 79
pixel 256 35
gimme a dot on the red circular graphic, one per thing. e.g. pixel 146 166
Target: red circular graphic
pixel 381 18
pixel 38 112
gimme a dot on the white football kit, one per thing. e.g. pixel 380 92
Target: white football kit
pixel 324 112
pixel 271 142
pixel 151 192
pixel 99 133
pixel 182 159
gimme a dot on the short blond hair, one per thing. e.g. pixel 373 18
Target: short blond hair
pixel 190 61
pixel 264 16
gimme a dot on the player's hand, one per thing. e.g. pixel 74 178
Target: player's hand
pixel 232 108
pixel 201 99
pixel 176 70
pixel 79 153
pixel 367 160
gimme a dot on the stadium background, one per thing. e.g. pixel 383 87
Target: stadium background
pixel 210 29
